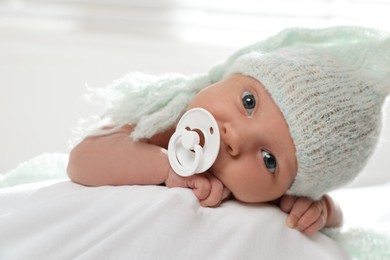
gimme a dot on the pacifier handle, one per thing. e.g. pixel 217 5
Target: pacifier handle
pixel 177 167
pixel 186 154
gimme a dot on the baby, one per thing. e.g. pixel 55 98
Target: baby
pixel 299 115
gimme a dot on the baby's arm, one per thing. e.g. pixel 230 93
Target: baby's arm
pixel 311 216
pixel 114 159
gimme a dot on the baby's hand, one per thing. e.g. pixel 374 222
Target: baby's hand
pixel 207 188
pixel 305 215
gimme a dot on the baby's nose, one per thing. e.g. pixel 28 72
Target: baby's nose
pixel 231 138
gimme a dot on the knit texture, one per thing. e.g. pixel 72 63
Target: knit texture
pixel 362 244
pixel 152 103
pixel 330 84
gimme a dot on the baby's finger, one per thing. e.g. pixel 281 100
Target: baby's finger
pixel 299 208
pixel 216 193
pixel 316 226
pixel 226 193
pixel 287 202
pixel 200 186
pixel 312 214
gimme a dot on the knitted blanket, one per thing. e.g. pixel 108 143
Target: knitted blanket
pixel 43 167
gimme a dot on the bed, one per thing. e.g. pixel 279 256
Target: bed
pixel 43 215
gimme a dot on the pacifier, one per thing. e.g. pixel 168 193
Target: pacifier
pixel 194 146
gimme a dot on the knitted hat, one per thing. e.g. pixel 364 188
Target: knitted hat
pixel 330 85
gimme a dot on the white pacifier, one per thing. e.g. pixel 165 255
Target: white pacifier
pixel 194 147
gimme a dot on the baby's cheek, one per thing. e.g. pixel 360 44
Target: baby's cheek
pixel 245 192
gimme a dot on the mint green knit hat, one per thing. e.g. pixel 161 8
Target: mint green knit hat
pixel 330 84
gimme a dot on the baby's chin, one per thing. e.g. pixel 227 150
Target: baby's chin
pixel 216 171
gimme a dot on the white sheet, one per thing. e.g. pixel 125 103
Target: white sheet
pixel 62 220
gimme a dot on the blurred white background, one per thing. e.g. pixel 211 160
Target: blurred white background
pixel 50 50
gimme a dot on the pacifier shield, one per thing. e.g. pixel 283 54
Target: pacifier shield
pixel 194 146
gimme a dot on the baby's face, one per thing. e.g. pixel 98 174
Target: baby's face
pixel 257 159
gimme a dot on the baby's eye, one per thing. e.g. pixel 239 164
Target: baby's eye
pixel 269 161
pixel 249 102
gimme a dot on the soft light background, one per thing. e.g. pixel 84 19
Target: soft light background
pixel 50 50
